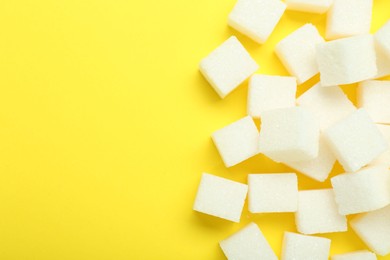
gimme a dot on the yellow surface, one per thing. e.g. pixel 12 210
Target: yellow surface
pixel 105 127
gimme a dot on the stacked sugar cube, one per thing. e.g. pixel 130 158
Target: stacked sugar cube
pixel 308 133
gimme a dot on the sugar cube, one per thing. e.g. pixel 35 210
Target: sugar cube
pixel 289 135
pixel 347 60
pixel 328 105
pixel 357 255
pixel 312 6
pixel 298 53
pixel 256 18
pixel 318 213
pixel 270 92
pixel 355 140
pixel 374 96
pixel 227 66
pixel 362 191
pixel 384 158
pixel 382 63
pixel 382 38
pixel 382 50
pixel 374 229
pixel 348 18
pixel 302 247
pixel 248 243
pixel 318 168
pixel 220 197
pixel 237 141
pixel 272 192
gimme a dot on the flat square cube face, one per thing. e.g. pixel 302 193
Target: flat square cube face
pixel 270 92
pixel 363 191
pixel 374 96
pixel 256 18
pixel 297 52
pixel 237 141
pixel 318 168
pixel 382 62
pixel 347 60
pixel 297 246
pixel 220 197
pixel 289 135
pixel 348 17
pixel 248 243
pixel 318 213
pixel 327 104
pixel 384 158
pixel 374 229
pixel 358 255
pixel 272 192
pixel 227 66
pixel 311 6
pixel 382 38
pixel 355 140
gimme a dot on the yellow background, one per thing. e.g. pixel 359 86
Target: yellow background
pixel 105 126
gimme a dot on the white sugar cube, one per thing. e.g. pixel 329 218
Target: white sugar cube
pixel 227 66
pixel 348 18
pixel 318 213
pixel 318 168
pixel 220 197
pixel 247 244
pixel 374 96
pixel 347 60
pixel 384 158
pixel 362 191
pixel 256 18
pixel 270 92
pixel 355 140
pixel 289 135
pixel 311 6
pixel 382 63
pixel 382 38
pixel 374 229
pixel 237 141
pixel 272 192
pixel 382 48
pixel 302 247
pixel 298 52
pixel 328 105
pixel 357 255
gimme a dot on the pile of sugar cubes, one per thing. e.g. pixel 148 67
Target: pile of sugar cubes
pixel 308 133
